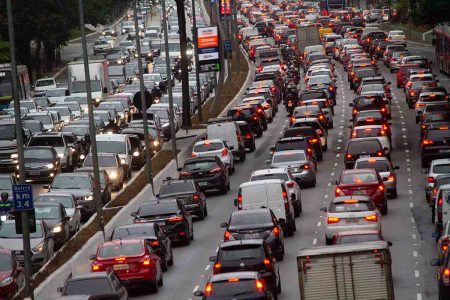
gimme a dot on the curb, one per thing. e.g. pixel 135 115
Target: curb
pixel 420 44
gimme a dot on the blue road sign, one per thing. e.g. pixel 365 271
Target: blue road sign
pixel 22 197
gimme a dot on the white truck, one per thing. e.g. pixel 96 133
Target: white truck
pixel 350 272
pixel 307 36
pixel 99 77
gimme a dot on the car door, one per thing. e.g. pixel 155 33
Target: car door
pixel 444 198
pixel 163 240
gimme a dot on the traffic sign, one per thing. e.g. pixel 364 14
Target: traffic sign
pixel 23 197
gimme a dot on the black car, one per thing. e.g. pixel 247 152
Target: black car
pixel 311 134
pixel 208 172
pixel 138 151
pixel 256 224
pixel 435 144
pixel 294 143
pixel 372 102
pixel 248 135
pixel 235 285
pixel 54 215
pixel 102 285
pixel 188 192
pixel 41 163
pixel 248 255
pixel 105 183
pixel 312 94
pixel 362 147
pixel 170 215
pixel 151 233
pixel 249 115
pixel 435 119
pixel 359 75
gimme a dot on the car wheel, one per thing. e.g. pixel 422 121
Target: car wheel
pixel 320 157
pixel 264 127
pixel 424 163
pixel 253 147
pixel 296 210
pixel 331 126
pixel 394 194
pixel 271 120
pixel 313 184
pixel 242 156
pixel 384 210
pixel 300 207
pixel 325 147
pixel 279 285
pixel 328 241
pixel 164 266
pixel 260 133
pixel 170 261
pixel 289 230
pixel 201 214
pixel 294 225
pixel 187 241
pixel 153 286
pixel 161 280
pixel 192 235
pixel 206 211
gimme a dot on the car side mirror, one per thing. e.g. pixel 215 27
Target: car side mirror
pixel 389 244
pixel 134 214
pixel 389 83
pixel 351 104
pixel 231 148
pixel 235 202
pixel 92 257
pixel 324 209
pixel 396 167
pixel 272 149
pixel 213 258
pixel 199 294
pixel 179 169
pixel 435 262
pixel 334 182
pixel 384 178
pixel 224 225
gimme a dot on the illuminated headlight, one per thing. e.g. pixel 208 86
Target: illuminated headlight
pixel 123 161
pixel 155 143
pixel 73 150
pixel 179 56
pixel 189 52
pixel 135 55
pixel 6 281
pixel 119 62
pixel 57 229
pixel 103 33
pixel 17 167
pixel 61 155
pixel 82 156
pixel 39 248
pixel 149 54
pixel 113 175
pixel 136 153
pixel 3 218
pixel 98 99
pixel 14 156
pixel 50 166
pixel 88 198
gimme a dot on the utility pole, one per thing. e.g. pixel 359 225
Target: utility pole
pixel 173 138
pixel 184 65
pixel 92 133
pixel 235 36
pixel 20 146
pixel 197 71
pixel 148 150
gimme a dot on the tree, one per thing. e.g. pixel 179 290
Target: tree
pixel 4 52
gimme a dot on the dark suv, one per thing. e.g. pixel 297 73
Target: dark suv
pixel 295 143
pixel 248 135
pixel 248 114
pixel 362 147
pixel 188 192
pixel 435 144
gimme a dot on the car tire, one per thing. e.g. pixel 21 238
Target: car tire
pixel 294 225
pixel 153 286
pixel 297 210
pixel 325 148
pixel 331 126
pixel 394 194
pixel 260 133
pixel 164 266
pixel 384 210
pixel 313 184
pixel 253 147
pixel 328 241
pixel 424 163
pixel 300 207
pixel 264 127
pixel 242 156
pixel 279 285
pixel 320 157
pixel 201 215
pixel 206 211
pixel 187 241
pixel 161 280
pixel 170 261
pixel 289 231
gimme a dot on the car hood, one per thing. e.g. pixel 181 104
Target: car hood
pixel 17 244
pixel 8 144
pixel 70 211
pixel 74 192
pixel 5 274
pixel 35 164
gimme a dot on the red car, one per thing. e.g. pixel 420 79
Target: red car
pixel 401 74
pixel 12 277
pixel 366 182
pixel 133 261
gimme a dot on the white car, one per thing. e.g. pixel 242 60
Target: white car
pixel 437 167
pixel 57 95
pixel 286 175
pixel 372 131
pixel 215 147
pixel 397 37
pixel 346 213
pixel 119 144
pixel 386 170
pixel 45 84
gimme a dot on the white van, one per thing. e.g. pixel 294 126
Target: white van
pixel 229 133
pixel 119 144
pixel 271 193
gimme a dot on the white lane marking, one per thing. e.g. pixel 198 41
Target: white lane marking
pixel 326 196
pixel 329 183
pixel 414 236
pixel 207 267
pixel 415 253
pixel 337 155
pixel 416 273
pixel 411 204
pixel 196 288
pixel 286 121
pixel 412 220
pixel 419 296
pixel 335 164
pixel 314 241
pixel 319 223
pixel 407 151
pixel 217 249
pixel 332 174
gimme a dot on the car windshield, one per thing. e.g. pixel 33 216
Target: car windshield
pixel 241 252
pixel 111 147
pixel 234 288
pixel 290 145
pixel 433 97
pixel 104 161
pixel 161 113
pixel 8 231
pixel 72 182
pixel 7 132
pixel 55 93
pixel 47 213
pixel 174 188
pixel 200 165
pixel 66 201
pixel 63 111
pixel 358 178
pixel 44 119
pixel 38 154
pixel 88 286
pixel 282 176
pixel 56 141
pixel 5 262
pixel 288 157
pixel 158 208
pixel 138 230
pixel 350 206
pixel 378 165
pixel 76 130
pixel 111 250
pixel 253 218
pixel 44 82
pixel 444 168
pixel 208 146
pixel 358 238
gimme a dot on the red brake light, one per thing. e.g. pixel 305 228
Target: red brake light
pixel 176 219
pixel 266 261
pixel 185 174
pixel 227 235
pixel 381 187
pixel 208 288
pixel 284 194
pixel 154 243
pixel 239 200
pixel 248 136
pixel 427 142
pixel 193 154
pixel 225 152
pixel 290 184
pixel 195 197
pixel 276 231
pixel 313 140
pixel 380 153
pixel 338 192
pixel 348 156
pixel 332 220
pixel 373 218
pixel 259 285
pixel 391 177
pixel 430 179
pixel 216 170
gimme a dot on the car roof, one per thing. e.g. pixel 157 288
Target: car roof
pixel 208 141
pixel 56 194
pixel 270 171
pixel 241 242
pixel 440 161
pixel 111 137
pixel 240 275
pixel 261 182
pixel 357 171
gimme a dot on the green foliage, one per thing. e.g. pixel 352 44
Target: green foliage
pixel 4 52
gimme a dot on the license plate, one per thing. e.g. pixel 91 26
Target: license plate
pixel 251 235
pixel 352 221
pixel 202 183
pixel 444 151
pixel 35 173
pixel 121 267
pixel 362 192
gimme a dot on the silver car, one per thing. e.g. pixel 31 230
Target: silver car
pixel 386 170
pixel 215 147
pixel 303 169
pixel 346 213
pixel 112 165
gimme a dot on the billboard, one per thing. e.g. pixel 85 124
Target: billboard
pixel 208 48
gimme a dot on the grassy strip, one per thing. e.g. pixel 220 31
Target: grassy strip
pixel 159 162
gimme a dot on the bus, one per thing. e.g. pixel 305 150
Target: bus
pixel 442 47
pixel 327 5
pixel 23 80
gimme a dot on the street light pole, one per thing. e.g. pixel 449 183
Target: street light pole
pixel 173 138
pixel 20 145
pixel 92 133
pixel 148 150
pixel 197 74
pixel 235 36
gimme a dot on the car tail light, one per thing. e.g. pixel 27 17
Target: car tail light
pixel 348 156
pixel 259 285
pixel 354 111
pixel 290 184
pixel 227 236
pixel 309 150
pixel 354 134
pixel 195 198
pixel 305 167
pixel 379 153
pixel 255 118
pixel 193 154
pixel 382 133
pixel 321 117
pixel 338 192
pixel 292 120
pixel 319 131
pixel 216 170
pixel 430 179
pixel 248 136
pixel 313 140
pixel 383 109
pixel 275 232
pixel 391 177
pixel 267 263
pixel 372 218
pixel 444 243
pixel 259 110
pixel 380 188
pixel 239 200
pixel 412 93
pixel 208 288
pixel 332 220
pixel 446 276
pixel 185 174
pixel 176 219
pixel 427 142
pixel 147 261
pixel 368 40
pixel 96 266
pixel 419 105
pixel 225 152
pixel 409 84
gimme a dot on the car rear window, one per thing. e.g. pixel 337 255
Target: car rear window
pixel 88 286
pixel 290 145
pixel 200 165
pixel 358 238
pixel 439 134
pixel 234 288
pixel 281 176
pixel 251 218
pixel 208 147
pixel 140 230
pixel 352 206
pixel 309 131
pixel 47 141
pixel 358 178
pixel 365 73
pixel 433 97
pixel 174 188
pixel 241 252
pixel 288 157
pixel 441 168
pixel 158 208
pixel 239 113
pixel 120 249
pixel 311 96
pixel 363 147
pixel 378 165
pixel 367 132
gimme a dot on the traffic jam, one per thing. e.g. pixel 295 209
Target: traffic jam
pixel 311 186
